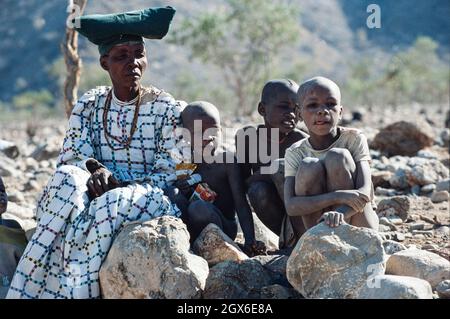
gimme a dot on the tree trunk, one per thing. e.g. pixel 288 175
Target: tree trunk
pixel 73 61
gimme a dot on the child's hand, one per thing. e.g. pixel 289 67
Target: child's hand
pixel 3 202
pixel 332 218
pixel 255 248
pixel 183 186
pixel 353 198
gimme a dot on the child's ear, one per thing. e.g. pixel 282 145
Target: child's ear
pixel 340 112
pixel 104 63
pixel 261 109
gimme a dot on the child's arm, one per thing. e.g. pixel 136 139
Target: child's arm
pixel 305 205
pixel 3 198
pixel 243 210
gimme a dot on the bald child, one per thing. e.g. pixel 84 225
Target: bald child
pixel 202 120
pixel 278 109
pixel 328 175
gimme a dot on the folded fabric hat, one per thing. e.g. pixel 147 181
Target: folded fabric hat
pixel 108 30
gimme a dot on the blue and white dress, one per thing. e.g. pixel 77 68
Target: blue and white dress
pixel 74 234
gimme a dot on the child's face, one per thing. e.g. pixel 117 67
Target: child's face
pixel 321 110
pixel 281 111
pixel 208 133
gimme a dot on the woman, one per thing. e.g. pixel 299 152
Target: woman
pixel 118 153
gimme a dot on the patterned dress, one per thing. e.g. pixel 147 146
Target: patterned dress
pixel 74 234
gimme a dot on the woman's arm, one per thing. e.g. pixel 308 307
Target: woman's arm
pixel 168 150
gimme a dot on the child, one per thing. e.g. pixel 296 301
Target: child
pixel 265 191
pixel 222 177
pixel 12 244
pixel 328 175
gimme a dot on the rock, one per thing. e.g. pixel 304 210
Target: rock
pixel 442 231
pixel 424 171
pixel 8 167
pixel 439 197
pixel 443 185
pixel 445 137
pixel 385 221
pixel 391 247
pixel 20 211
pixel 9 149
pixel 404 138
pixel 215 246
pixel 395 287
pixel 399 180
pixel 383 228
pixel 264 234
pixel 380 191
pixel 400 236
pixel 397 205
pixel 16 197
pixel 334 262
pixel 276 266
pixel 237 280
pixel 420 264
pixel 381 178
pixel 428 188
pixel 46 151
pixel 443 289
pixel 416 226
pixel 279 292
pixel 152 260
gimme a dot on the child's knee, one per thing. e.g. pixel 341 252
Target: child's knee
pixel 311 170
pixel 337 158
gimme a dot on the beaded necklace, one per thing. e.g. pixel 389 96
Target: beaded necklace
pixel 137 102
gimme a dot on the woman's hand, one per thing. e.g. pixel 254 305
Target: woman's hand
pixel 100 182
pixel 356 200
pixel 332 218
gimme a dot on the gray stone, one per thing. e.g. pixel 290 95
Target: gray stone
pixel 152 260
pixel 439 197
pixel 334 262
pixel 420 264
pixel 443 289
pixel 278 292
pixel 381 178
pixel 442 231
pixel 380 191
pixel 237 280
pixel 9 149
pixel 215 246
pixel 276 265
pixel 423 171
pixel 395 287
pixel 443 185
pixel 428 188
pixel 397 205
pixel 391 247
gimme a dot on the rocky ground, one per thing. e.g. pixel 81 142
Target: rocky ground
pixel 411 180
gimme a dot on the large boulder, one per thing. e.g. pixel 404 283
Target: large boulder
pixel 395 287
pixel 420 264
pixel 215 246
pixel 152 260
pixel 404 138
pixel 237 280
pixel 335 262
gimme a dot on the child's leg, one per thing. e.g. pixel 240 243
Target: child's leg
pixel 310 180
pixel 267 204
pixel 341 174
pixel 200 214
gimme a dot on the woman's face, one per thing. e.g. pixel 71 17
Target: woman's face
pixel 125 64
